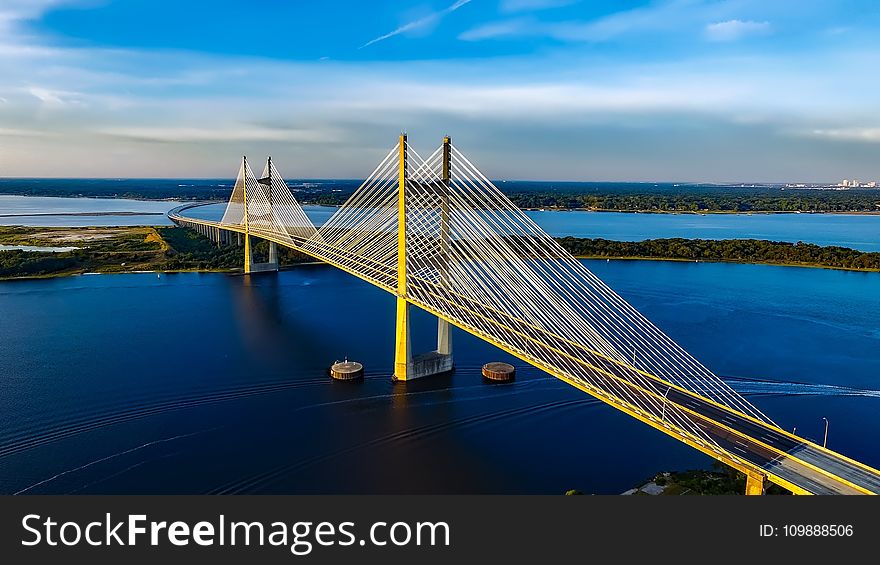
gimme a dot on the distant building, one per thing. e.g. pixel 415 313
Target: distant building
pixel 855 183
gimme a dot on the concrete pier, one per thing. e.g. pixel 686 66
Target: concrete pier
pixel 498 371
pixel 252 267
pixel 273 254
pixel 430 363
pixel 347 370
pixel 408 366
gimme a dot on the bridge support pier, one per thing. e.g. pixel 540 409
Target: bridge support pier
pixel 248 255
pixel 273 254
pixel 407 366
pixel 403 360
pixel 444 339
pixel 250 266
pixel 755 484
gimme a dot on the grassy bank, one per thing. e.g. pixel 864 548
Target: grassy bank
pixel 119 250
pixel 127 249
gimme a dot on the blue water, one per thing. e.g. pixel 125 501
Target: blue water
pixel 52 211
pixel 846 230
pixel 856 231
pixel 217 383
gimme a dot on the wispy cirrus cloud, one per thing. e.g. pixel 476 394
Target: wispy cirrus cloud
pixel 229 133
pixel 55 98
pixel 857 134
pixel 732 30
pixel 507 28
pixel 637 108
pixel 659 15
pixel 533 5
pixel 668 16
pixel 12 10
pixel 420 23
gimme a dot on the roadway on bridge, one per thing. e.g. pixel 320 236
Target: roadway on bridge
pixel 768 448
pixel 799 463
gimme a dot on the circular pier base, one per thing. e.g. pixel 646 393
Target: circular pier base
pixel 347 371
pixel 499 371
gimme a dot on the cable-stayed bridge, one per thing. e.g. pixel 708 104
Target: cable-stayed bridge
pixel 437 234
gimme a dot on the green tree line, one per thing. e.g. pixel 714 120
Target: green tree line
pixel 738 250
pixel 707 200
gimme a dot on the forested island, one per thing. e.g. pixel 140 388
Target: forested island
pixel 129 249
pixel 733 250
pixel 599 196
pixel 704 199
pixel 607 197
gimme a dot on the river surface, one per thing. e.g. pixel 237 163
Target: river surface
pixel 846 230
pixel 194 383
pixel 78 212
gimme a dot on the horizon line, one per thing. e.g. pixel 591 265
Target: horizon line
pixel 338 179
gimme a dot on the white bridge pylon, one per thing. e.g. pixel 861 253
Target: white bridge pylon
pixel 271 206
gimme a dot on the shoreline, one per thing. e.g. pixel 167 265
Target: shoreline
pixel 232 272
pixel 184 200
pixel 102 250
pixel 238 272
pixel 733 262
pixel 708 212
pixel 83 214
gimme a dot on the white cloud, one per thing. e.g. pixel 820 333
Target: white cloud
pixel 27 9
pixel 55 98
pixel 861 134
pixel 731 30
pixel 183 113
pixel 533 5
pixel 19 132
pixel 419 23
pixel 507 28
pixel 838 30
pixel 225 132
pixel 663 15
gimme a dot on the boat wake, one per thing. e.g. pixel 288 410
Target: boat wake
pixel 788 388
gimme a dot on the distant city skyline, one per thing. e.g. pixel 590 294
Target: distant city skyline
pixel 721 91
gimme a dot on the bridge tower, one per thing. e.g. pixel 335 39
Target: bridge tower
pixel 406 366
pixel 444 340
pixel 264 185
pixel 248 252
pixel 403 361
pixel 272 265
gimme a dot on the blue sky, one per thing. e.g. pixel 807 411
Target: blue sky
pixel 686 90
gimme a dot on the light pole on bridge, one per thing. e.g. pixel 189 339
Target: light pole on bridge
pixel 825 441
pixel 663 412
